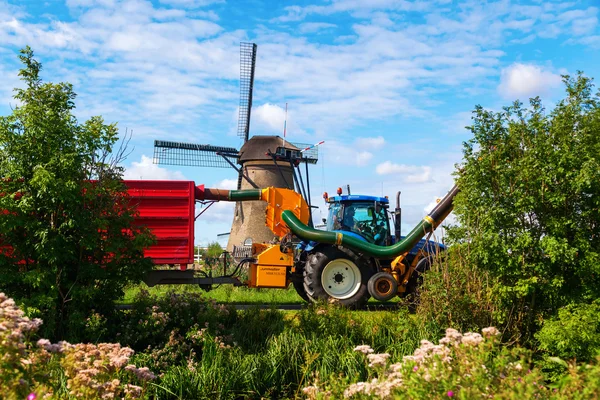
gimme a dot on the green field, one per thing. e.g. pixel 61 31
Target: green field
pixel 229 294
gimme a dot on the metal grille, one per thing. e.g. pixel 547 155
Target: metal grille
pixel 193 155
pixel 312 155
pixel 247 64
pixel 242 251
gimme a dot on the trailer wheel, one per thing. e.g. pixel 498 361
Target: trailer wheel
pixel 332 274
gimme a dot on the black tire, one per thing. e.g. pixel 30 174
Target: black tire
pixel 382 286
pixel 320 259
pixel 299 286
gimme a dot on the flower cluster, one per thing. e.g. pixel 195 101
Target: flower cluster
pixel 15 359
pixel 457 363
pixel 91 370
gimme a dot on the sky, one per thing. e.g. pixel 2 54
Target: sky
pixel 389 85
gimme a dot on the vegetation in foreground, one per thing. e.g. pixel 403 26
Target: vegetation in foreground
pixel 183 346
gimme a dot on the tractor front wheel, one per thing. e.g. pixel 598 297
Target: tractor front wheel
pixel 335 275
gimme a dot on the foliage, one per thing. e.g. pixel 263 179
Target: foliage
pixel 154 320
pixel 461 366
pixel 66 214
pixel 457 294
pixel 529 206
pixel 29 370
pixel 573 334
pixel 329 351
pixel 213 250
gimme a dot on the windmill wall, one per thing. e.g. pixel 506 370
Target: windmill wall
pixel 249 216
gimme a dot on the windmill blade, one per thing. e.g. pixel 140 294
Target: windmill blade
pixel 247 66
pixel 193 155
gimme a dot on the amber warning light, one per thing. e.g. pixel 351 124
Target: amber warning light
pixel 339 191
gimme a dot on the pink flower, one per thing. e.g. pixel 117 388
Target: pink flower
pixel 415 368
pixel 450 393
pixel 31 396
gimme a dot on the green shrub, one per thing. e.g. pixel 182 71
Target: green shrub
pixel 65 211
pixel 455 293
pixel 573 334
pixel 529 205
pixel 154 321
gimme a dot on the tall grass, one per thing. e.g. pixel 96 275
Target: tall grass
pixel 272 353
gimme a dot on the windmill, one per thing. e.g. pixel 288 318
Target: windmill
pixel 262 161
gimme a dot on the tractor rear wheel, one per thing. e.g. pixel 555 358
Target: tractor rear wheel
pixel 299 286
pixel 335 275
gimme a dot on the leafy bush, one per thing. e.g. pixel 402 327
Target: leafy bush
pixel 64 211
pixel 455 293
pixel 574 333
pixel 529 206
pixel 156 320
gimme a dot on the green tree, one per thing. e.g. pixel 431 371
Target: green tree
pixel 529 207
pixel 64 210
pixel 214 250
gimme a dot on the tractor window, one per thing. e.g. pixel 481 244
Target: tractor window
pixel 361 218
pixel 334 221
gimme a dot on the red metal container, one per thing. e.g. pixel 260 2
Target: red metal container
pixel 167 208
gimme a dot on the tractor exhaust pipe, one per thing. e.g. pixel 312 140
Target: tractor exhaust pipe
pixel 397 218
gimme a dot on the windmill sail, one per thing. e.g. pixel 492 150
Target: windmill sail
pixel 193 155
pixel 247 67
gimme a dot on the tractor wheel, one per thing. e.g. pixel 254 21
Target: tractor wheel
pixel 382 286
pixel 335 275
pixel 299 286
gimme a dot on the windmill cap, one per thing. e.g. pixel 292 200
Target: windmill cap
pixel 257 147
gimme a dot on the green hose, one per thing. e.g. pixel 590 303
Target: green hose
pixel 385 252
pixel 428 224
pixel 242 195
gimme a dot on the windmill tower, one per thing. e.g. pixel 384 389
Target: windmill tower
pixel 263 161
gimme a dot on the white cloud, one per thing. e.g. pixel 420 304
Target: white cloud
pixel 229 184
pixel 191 3
pixel 341 154
pixel 363 158
pixel 312 27
pixel 145 169
pixel 407 173
pixel 370 142
pixel 526 80
pixel 269 116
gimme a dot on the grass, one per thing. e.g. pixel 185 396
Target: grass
pixel 223 294
pixel 276 353
pixel 229 294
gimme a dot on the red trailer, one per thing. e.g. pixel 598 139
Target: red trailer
pixel 167 208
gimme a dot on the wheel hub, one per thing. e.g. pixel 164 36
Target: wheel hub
pixel 341 278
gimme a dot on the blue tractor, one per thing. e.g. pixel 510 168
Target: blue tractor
pixel 333 272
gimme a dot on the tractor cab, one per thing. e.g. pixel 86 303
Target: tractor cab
pixel 364 217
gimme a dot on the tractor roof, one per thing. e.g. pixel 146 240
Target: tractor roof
pixel 356 197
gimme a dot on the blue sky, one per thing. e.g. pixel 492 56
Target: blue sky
pixel 389 85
